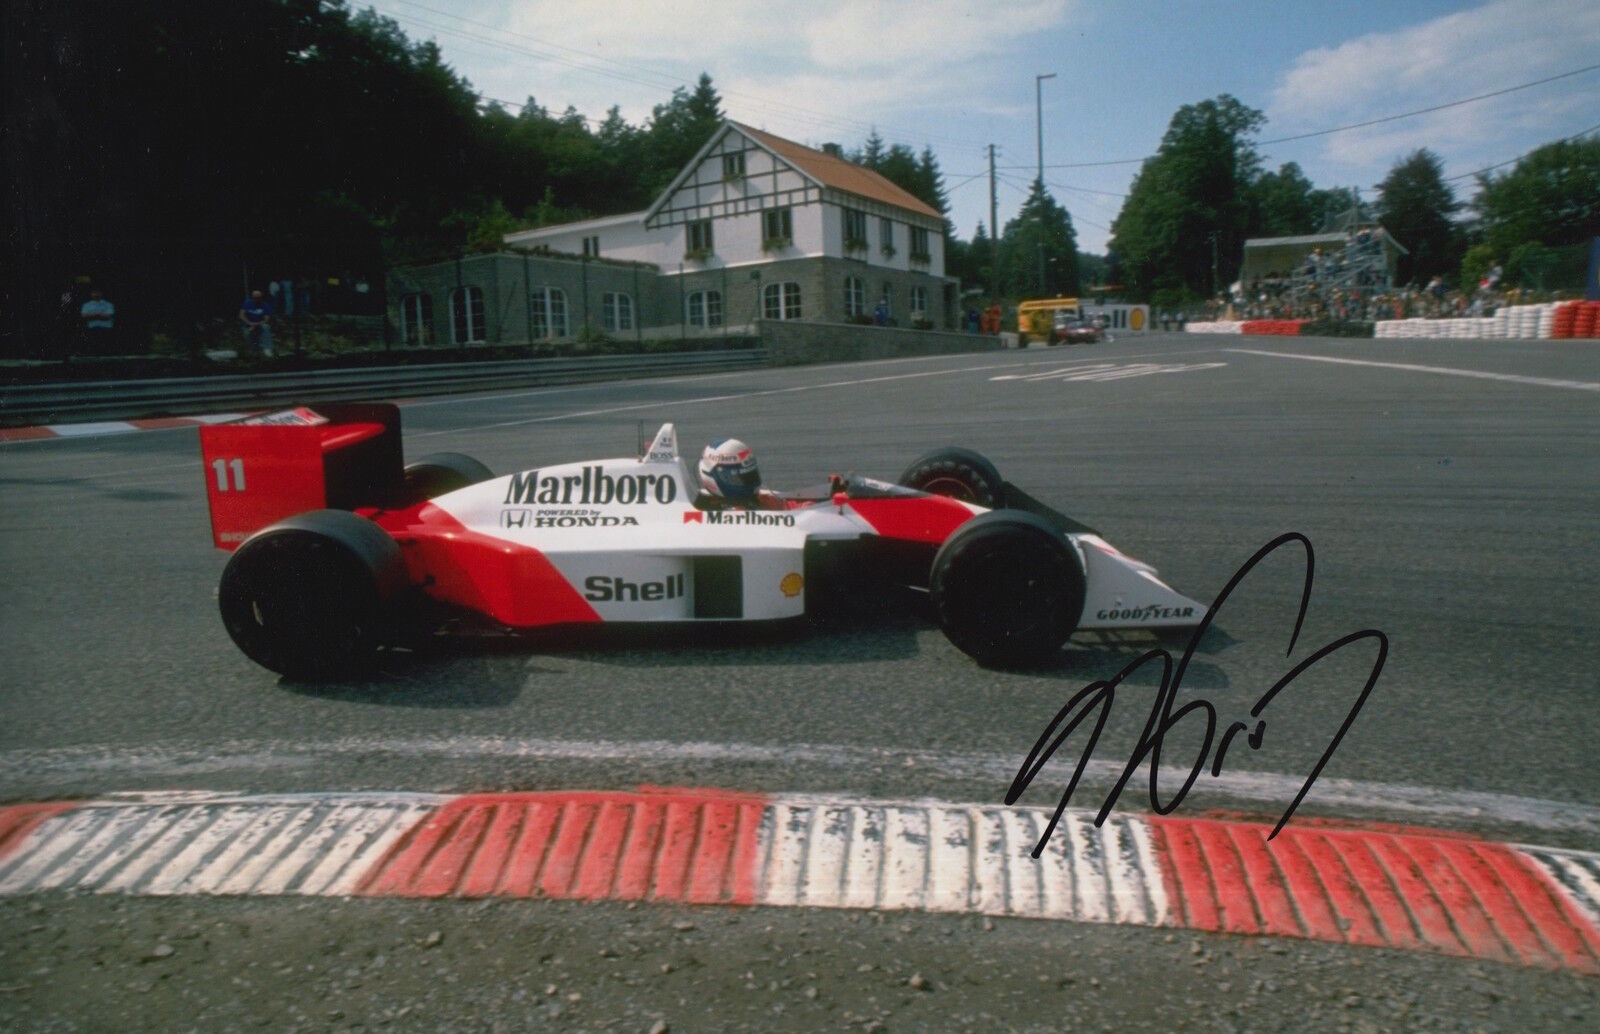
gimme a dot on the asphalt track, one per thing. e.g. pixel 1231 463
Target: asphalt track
pixel 1449 490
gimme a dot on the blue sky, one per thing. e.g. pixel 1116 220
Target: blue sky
pixel 959 75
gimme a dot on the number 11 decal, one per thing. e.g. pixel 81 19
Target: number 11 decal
pixel 222 468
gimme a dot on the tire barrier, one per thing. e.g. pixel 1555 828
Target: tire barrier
pixel 1281 328
pixel 1214 327
pixel 1576 320
pixel 1513 322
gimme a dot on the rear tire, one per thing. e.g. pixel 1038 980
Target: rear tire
pixel 1008 589
pixel 441 472
pixel 313 597
pixel 959 473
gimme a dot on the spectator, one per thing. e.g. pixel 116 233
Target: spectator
pixel 99 323
pixel 255 314
pixel 880 315
pixel 973 320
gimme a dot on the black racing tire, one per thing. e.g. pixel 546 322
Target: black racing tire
pixel 441 472
pixel 314 597
pixel 1008 589
pixel 959 473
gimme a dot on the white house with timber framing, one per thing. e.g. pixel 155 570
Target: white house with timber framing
pixel 758 227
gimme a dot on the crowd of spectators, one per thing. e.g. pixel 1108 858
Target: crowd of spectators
pixel 1433 301
pixel 1351 285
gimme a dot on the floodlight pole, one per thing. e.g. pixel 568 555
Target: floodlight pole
pixel 1038 107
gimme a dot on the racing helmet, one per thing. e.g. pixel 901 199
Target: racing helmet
pixel 728 470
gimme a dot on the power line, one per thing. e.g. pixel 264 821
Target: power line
pixel 1354 125
pixel 1437 107
pixel 1518 158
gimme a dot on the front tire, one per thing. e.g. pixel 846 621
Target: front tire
pixel 313 597
pixel 1008 589
pixel 960 474
pixel 441 472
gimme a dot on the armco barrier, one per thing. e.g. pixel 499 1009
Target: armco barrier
pixel 106 400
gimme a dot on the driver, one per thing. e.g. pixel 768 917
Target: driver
pixel 730 477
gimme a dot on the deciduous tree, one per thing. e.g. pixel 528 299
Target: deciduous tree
pixel 1189 208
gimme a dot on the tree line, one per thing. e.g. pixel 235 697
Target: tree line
pixel 1180 234
pixel 177 153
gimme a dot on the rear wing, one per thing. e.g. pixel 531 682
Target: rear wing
pixel 264 468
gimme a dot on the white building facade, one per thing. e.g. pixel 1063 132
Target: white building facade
pixel 758 227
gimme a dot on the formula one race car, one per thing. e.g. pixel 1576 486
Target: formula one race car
pixel 336 543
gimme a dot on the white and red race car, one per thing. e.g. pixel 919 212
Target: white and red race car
pixel 336 542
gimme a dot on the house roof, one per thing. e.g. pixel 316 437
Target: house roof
pixel 839 173
pixel 599 222
pixel 1292 242
pixel 1313 239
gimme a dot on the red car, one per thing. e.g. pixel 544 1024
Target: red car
pixel 1077 331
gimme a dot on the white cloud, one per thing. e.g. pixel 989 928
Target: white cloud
pixel 1439 61
pixel 825 69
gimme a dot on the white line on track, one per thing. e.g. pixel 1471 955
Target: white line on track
pixel 703 399
pixel 706 399
pixel 1395 801
pixel 1510 378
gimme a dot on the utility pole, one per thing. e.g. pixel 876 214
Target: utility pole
pixel 994 232
pixel 1213 263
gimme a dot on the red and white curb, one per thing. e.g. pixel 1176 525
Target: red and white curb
pixel 105 427
pixel 1394 888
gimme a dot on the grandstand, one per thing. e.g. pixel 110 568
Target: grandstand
pixel 1331 272
pixel 1308 273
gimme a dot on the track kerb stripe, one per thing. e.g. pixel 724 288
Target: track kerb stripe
pixel 692 846
pixel 1404 889
pixel 19 820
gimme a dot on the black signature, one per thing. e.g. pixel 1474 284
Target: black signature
pixel 1100 695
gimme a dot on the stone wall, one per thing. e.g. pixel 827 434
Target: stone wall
pixel 798 342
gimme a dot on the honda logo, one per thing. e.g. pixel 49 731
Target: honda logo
pixel 515 518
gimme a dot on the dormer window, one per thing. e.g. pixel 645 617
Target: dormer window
pixel 733 166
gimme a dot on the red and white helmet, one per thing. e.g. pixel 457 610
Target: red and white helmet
pixel 728 470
